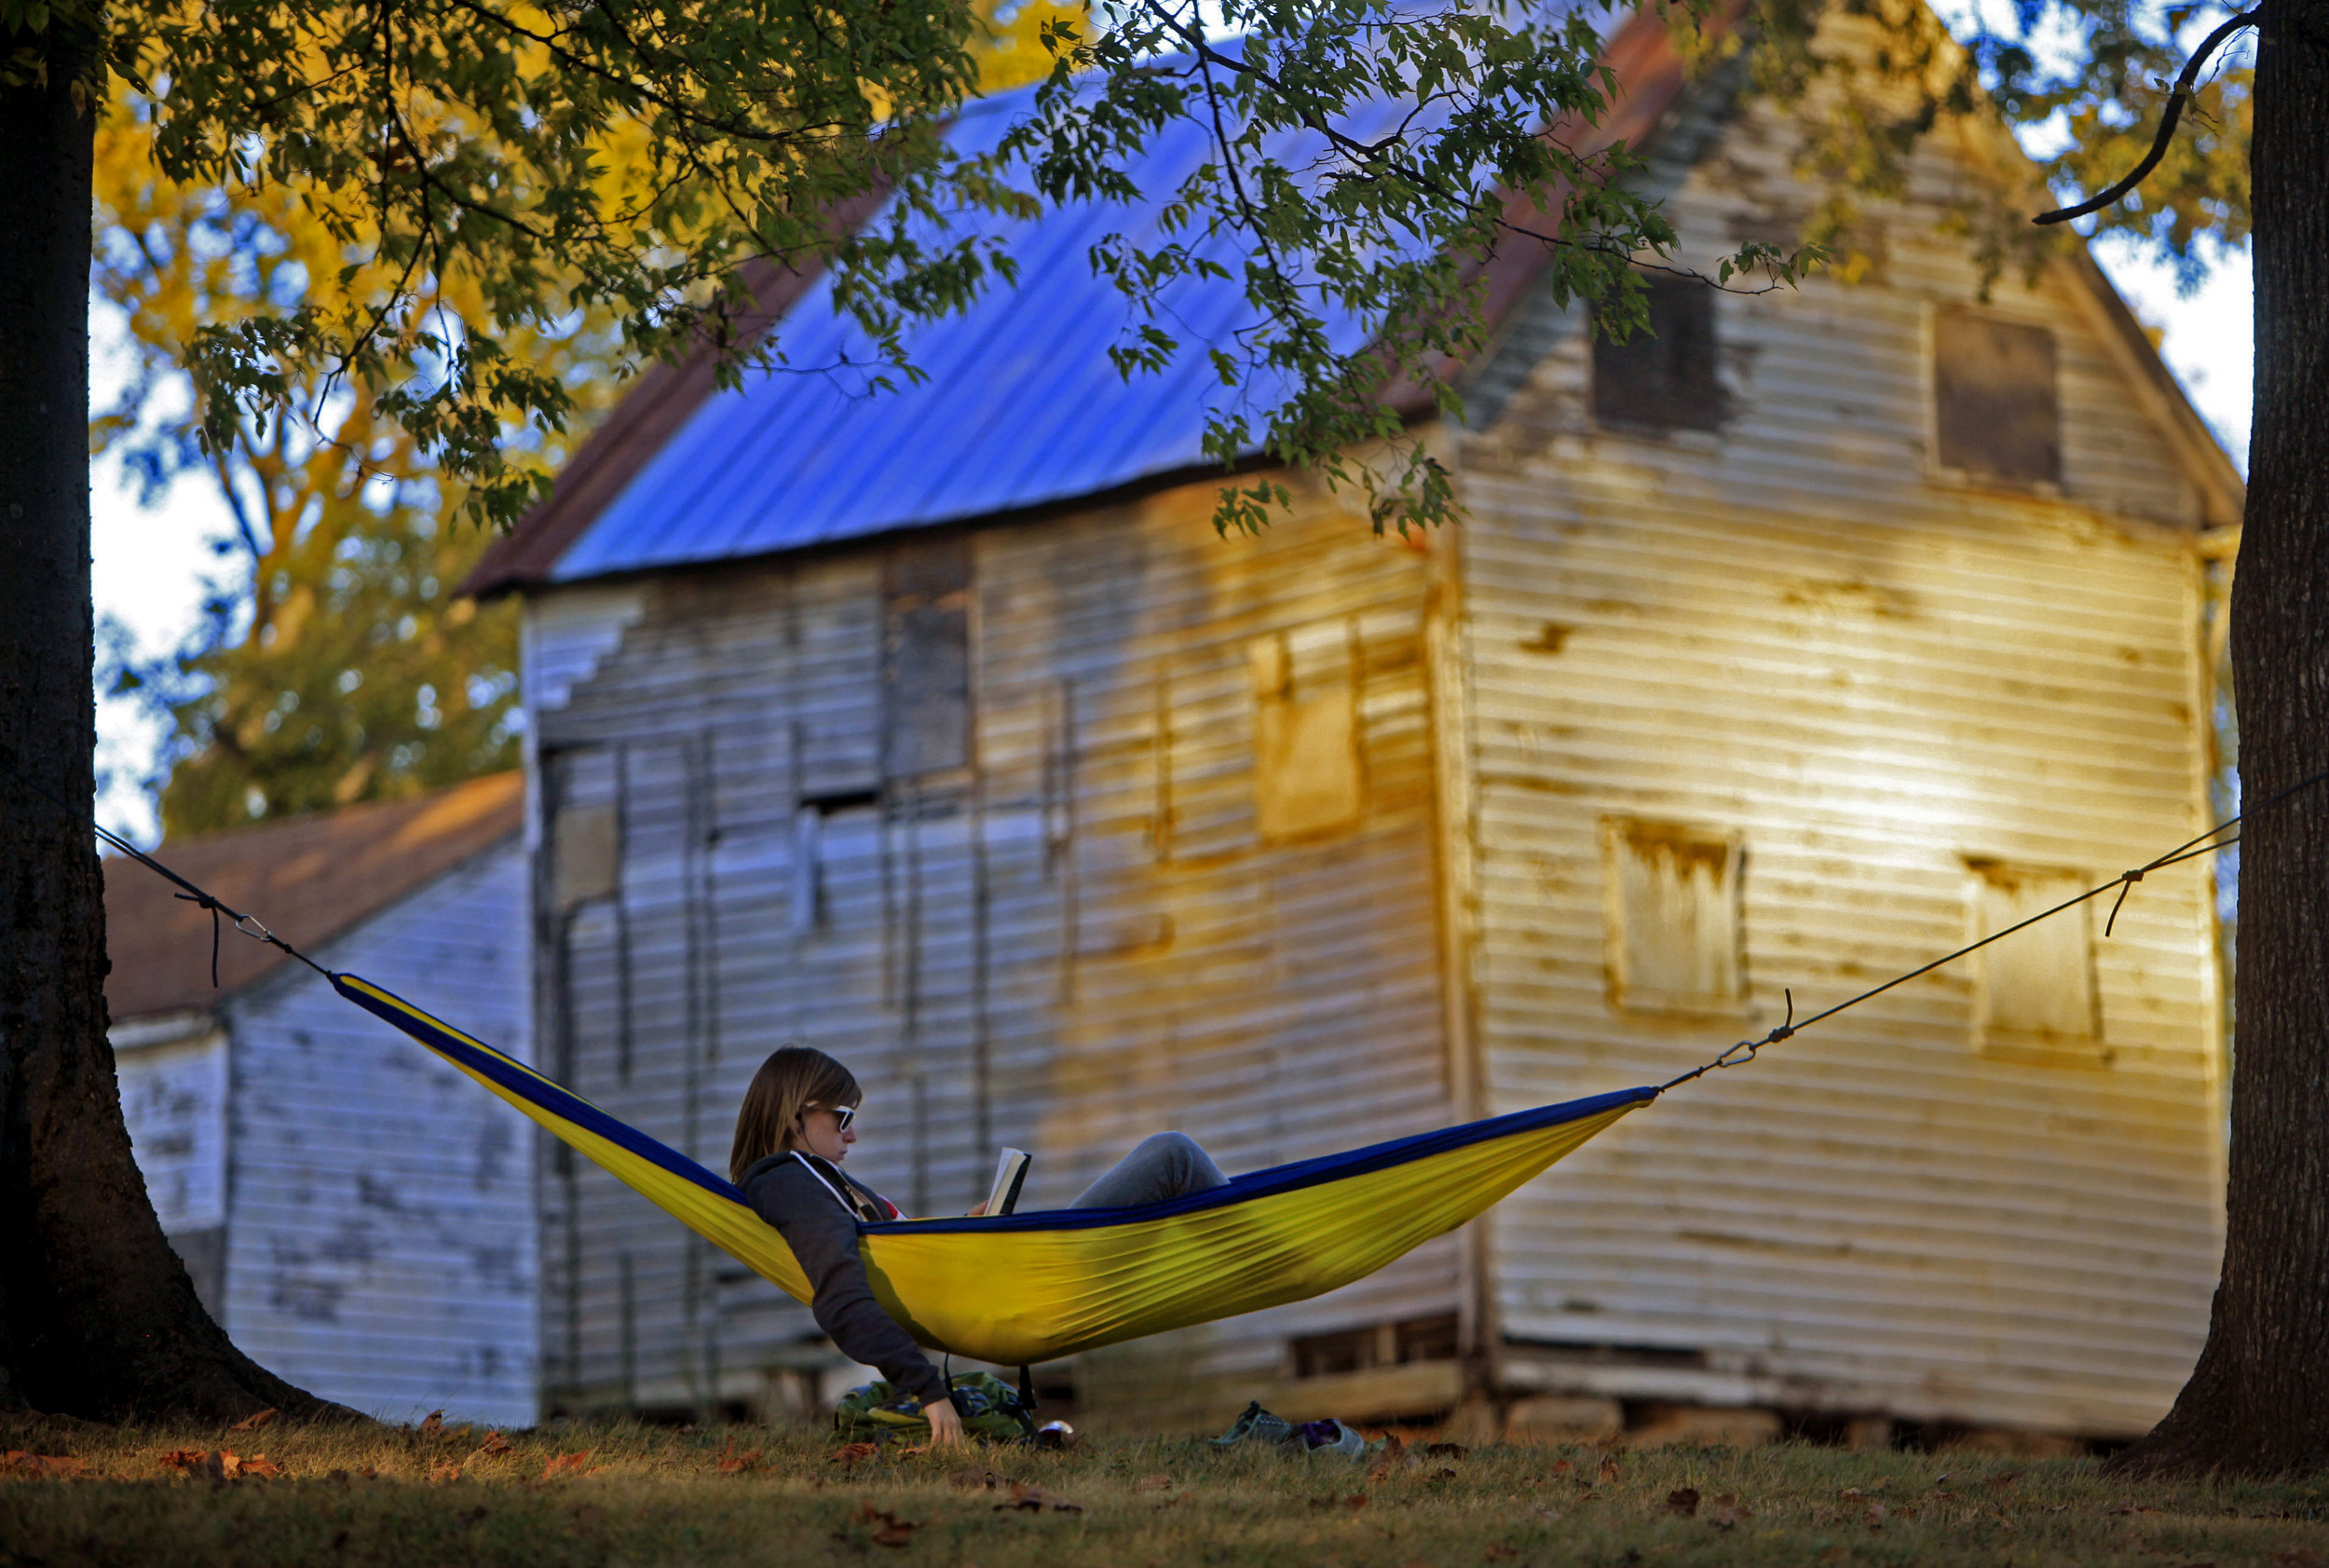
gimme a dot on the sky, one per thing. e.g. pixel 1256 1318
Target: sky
pixel 151 563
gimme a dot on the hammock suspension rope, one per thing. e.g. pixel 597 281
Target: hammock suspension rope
pixel 1032 1287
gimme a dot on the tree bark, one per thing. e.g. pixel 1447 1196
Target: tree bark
pixel 2258 1401
pixel 98 1317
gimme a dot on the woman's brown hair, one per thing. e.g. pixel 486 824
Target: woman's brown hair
pixel 788 1084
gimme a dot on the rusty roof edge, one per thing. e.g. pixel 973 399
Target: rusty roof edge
pixel 1651 79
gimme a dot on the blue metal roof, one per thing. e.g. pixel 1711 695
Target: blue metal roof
pixel 1021 405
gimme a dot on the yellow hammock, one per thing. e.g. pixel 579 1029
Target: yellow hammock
pixel 1027 1288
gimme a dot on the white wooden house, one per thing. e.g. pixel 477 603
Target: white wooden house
pixel 356 1215
pixel 1778 652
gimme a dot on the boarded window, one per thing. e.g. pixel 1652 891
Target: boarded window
pixel 1663 377
pixel 1306 761
pixel 1995 412
pixel 586 853
pixel 1672 911
pixel 582 790
pixel 2032 991
pixel 926 657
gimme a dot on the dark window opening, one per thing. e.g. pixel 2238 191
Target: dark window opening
pixel 1663 377
pixel 1380 1344
pixel 832 802
pixel 1997 412
pixel 926 657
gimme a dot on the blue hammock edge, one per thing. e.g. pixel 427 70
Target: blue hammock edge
pixel 565 1103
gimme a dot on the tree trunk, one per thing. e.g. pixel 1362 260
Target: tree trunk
pixel 2258 1402
pixel 98 1317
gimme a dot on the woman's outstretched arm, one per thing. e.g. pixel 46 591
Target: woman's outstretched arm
pixel 823 1237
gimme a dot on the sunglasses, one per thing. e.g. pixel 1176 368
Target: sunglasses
pixel 842 1115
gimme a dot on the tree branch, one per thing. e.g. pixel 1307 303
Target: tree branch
pixel 2175 101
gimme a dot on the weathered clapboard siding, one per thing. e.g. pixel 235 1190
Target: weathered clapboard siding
pixel 381 1247
pixel 172 1071
pixel 1863 689
pixel 1073 940
pixel 1798 631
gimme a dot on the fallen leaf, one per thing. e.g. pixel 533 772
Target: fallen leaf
pixel 1149 1483
pixel 849 1453
pixel 568 1464
pixel 40 1466
pixel 1035 1500
pixel 259 1466
pixel 1609 1469
pixel 1445 1450
pixel 252 1423
pixel 734 1464
pixel 1729 1511
pixel 1684 1500
pixel 977 1478
pixel 181 1459
pixel 1562 1468
pixel 432 1423
pixel 440 1474
pixel 495 1443
pixel 888 1529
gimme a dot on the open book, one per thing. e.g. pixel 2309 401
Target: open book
pixel 1010 1176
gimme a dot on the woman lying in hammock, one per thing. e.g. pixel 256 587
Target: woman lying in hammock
pixel 792 1135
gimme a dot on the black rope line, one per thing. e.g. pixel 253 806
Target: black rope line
pixel 2175 101
pixel 249 925
pixel 1740 1054
pixel 1737 1055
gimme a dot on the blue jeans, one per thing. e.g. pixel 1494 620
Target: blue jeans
pixel 1165 1165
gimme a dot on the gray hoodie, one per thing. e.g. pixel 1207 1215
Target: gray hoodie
pixel 817 1207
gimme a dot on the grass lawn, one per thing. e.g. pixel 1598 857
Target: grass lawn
pixel 609 1493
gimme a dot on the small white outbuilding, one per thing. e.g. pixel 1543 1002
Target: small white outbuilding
pixel 357 1216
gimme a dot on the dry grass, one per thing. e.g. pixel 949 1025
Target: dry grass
pixel 648 1496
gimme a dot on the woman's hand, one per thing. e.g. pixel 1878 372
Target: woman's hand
pixel 979 1210
pixel 946 1423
